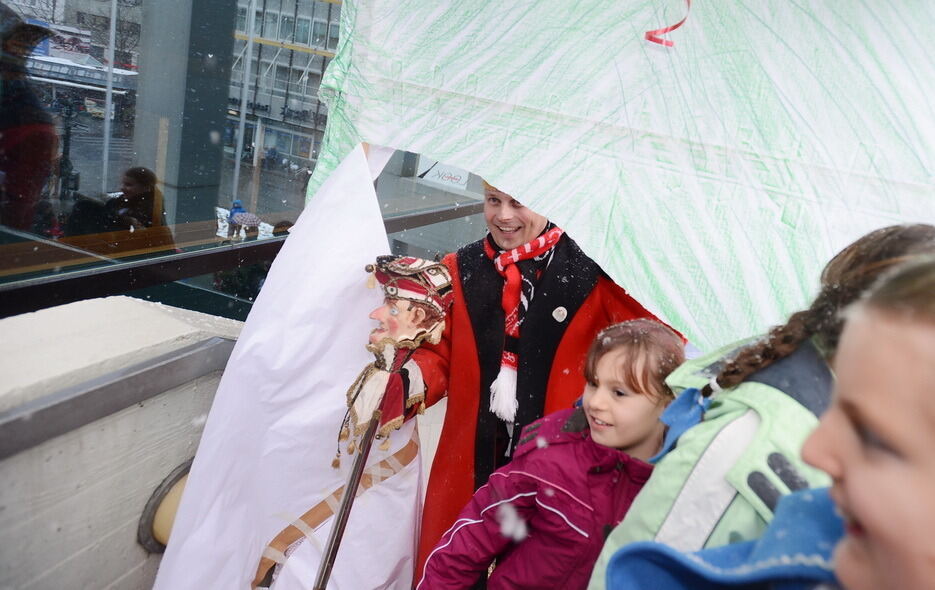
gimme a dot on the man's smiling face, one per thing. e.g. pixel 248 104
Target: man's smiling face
pixel 509 222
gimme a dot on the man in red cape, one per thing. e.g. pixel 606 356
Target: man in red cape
pixel 527 304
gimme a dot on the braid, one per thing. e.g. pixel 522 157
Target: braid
pixel 821 319
pixel 843 280
pixel 780 342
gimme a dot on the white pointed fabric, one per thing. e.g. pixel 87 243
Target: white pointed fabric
pixel 712 179
pixel 265 456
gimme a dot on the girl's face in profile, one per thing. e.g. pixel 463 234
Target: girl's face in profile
pixel 618 416
pixel 877 441
pixel 131 188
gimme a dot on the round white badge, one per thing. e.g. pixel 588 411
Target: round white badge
pixel 560 313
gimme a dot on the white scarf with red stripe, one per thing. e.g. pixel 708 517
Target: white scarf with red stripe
pixel 503 390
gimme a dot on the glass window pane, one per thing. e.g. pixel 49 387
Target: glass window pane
pixel 302 146
pixel 284 143
pixel 297 84
pixel 270 25
pixel 302 31
pixel 319 31
pixel 282 77
pixel 333 38
pixel 172 173
pixel 286 24
pixel 312 83
pixel 270 139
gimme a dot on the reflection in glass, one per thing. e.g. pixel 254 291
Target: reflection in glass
pixel 28 141
pixel 190 164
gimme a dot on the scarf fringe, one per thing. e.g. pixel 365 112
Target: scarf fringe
pixel 503 394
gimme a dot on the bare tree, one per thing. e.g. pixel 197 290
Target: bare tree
pixel 127 33
pixel 43 10
pixel 127 37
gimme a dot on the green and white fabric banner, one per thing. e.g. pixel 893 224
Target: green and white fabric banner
pixel 712 179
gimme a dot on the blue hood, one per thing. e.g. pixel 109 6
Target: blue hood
pixel 794 553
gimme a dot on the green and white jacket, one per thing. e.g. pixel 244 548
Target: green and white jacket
pixel 723 478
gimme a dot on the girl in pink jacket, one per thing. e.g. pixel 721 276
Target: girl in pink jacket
pixel 541 520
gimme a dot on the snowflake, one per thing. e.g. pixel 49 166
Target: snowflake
pixel 512 524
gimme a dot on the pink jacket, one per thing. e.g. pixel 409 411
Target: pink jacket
pixel 567 490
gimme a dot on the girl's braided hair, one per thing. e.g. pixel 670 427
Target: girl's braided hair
pixel 844 279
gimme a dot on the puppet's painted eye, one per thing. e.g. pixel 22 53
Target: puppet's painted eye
pixel 394 311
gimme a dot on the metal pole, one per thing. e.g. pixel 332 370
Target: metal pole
pixel 109 101
pixel 340 519
pixel 64 165
pixel 401 357
pixel 242 126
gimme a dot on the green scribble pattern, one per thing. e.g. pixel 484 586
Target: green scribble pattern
pixel 712 179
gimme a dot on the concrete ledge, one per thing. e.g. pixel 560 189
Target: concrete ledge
pixel 60 347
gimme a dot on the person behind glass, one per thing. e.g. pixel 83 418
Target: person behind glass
pixel 543 516
pixel 28 142
pixel 233 228
pixel 139 204
pixel 875 527
pixel 723 470
pixel 272 158
pixel 527 304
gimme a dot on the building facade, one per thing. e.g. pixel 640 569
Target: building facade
pixel 281 61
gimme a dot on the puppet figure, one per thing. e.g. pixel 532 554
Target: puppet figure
pixel 417 294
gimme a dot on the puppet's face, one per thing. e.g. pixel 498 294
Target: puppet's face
pixel 399 320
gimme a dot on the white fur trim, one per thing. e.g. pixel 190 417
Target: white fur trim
pixel 503 394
